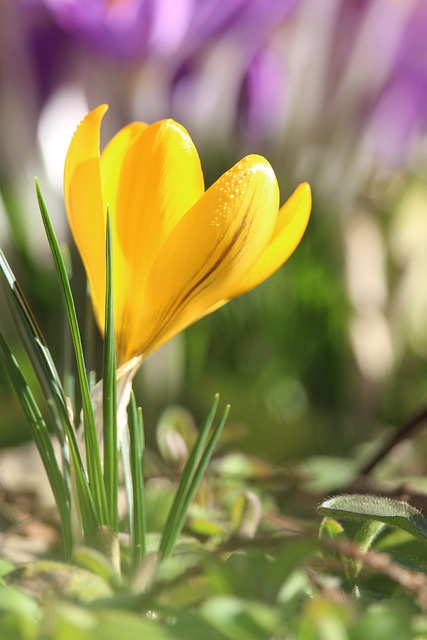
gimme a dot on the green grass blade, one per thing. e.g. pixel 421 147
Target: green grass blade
pixel 187 486
pixel 187 476
pixel 109 394
pixel 137 527
pixel 96 481
pixel 197 478
pixel 39 355
pixel 43 442
pixel 87 509
pixel 124 446
pixel 47 375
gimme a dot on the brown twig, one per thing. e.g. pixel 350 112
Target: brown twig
pixel 411 581
pixel 408 429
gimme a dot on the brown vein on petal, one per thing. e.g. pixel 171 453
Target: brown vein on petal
pixel 182 299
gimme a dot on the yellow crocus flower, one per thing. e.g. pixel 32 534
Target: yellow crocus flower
pixel 179 252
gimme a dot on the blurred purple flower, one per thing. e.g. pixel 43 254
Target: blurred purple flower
pixel 401 111
pixel 263 95
pixel 351 73
pixel 250 20
pixel 122 29
pixel 313 82
pixel 130 29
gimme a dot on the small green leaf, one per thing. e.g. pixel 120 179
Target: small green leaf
pixel 331 529
pixel 44 576
pixel 246 514
pixel 175 434
pixel 15 601
pixel 375 508
pixel 97 562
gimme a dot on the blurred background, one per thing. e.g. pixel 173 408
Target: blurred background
pixel 330 353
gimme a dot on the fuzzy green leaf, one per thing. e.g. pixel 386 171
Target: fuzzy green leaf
pixel 364 508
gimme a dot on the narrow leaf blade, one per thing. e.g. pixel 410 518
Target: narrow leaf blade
pixel 96 481
pixel 43 442
pixel 109 393
pixel 138 528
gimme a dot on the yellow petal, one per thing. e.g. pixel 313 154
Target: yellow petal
pixel 291 224
pixel 160 179
pixel 84 203
pixel 157 177
pixel 206 254
pixel 111 163
pixel 113 157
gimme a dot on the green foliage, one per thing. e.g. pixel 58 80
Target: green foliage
pixel 252 594
pixel 201 548
pixel 85 490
